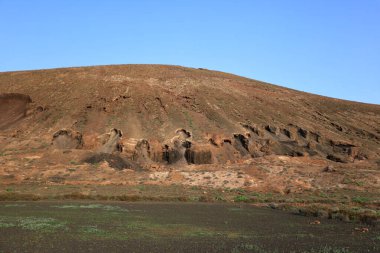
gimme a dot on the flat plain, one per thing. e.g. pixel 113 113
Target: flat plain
pixel 88 226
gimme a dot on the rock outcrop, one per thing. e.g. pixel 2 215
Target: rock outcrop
pixel 67 139
pixel 13 107
pixel 111 141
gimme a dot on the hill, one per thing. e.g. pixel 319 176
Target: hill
pixel 162 124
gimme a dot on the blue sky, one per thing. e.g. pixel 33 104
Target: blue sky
pixel 327 47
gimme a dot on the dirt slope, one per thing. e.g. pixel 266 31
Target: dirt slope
pixel 155 114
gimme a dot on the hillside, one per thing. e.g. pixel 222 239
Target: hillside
pixel 155 117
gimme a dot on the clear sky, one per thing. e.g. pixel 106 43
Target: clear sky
pixel 328 47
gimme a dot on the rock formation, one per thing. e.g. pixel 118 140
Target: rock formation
pixel 67 139
pixel 172 115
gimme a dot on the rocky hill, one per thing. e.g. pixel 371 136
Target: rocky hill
pixel 144 116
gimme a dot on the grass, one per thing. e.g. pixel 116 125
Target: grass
pixel 241 198
pixel 86 222
pixel 359 183
pixel 100 221
pixel 5 224
pixel 40 224
pixel 350 181
pixel 15 205
pixel 361 200
pixel 249 247
pixel 328 249
pixel 92 232
pixel 189 119
pixel 353 205
pixel 141 187
pixel 220 198
pixel 71 169
pixel 244 247
pixel 323 195
pixel 13 196
pixel 201 233
pixel 93 206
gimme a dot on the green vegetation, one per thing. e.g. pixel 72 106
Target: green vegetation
pixel 15 205
pixel 328 249
pixel 83 222
pixel 189 119
pixel 352 205
pixel 219 198
pixel 100 221
pixel 241 198
pixel 244 247
pixel 247 247
pixel 39 224
pixel 4 224
pixel 141 187
pixel 92 232
pixel 93 206
pixel 350 181
pixel 359 183
pixel 198 232
pixel 361 200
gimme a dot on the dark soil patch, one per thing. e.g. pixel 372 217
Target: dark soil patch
pixel 114 161
pixel 171 227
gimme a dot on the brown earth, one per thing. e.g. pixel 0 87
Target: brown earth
pixel 154 124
